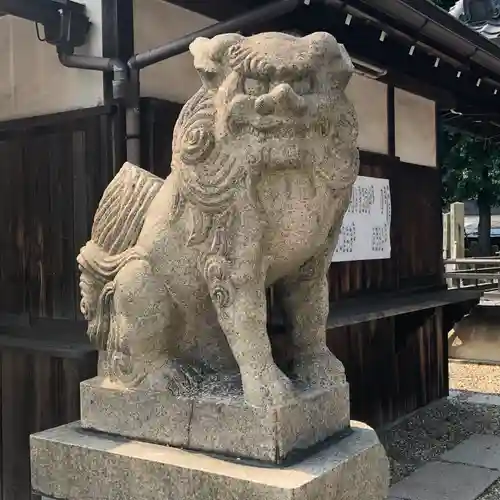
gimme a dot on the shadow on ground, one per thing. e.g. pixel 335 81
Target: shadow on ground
pixel 477 336
pixel 428 433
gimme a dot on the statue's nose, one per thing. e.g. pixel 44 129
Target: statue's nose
pixel 282 96
pixel 264 105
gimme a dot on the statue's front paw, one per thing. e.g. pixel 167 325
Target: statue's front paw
pixel 319 369
pixel 267 387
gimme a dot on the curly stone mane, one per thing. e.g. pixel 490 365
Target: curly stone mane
pixel 209 177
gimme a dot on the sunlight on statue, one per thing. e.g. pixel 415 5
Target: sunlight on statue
pixel 264 158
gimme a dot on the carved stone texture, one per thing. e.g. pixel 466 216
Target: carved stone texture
pixel 173 279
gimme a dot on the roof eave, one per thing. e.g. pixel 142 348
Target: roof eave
pixel 424 21
pixel 429 21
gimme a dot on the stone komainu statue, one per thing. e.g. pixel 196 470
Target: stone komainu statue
pixel 264 158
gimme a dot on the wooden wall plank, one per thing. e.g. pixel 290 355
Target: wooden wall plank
pixel 62 275
pixel 157 121
pixel 394 365
pixel 37 211
pixel 39 391
pixel 17 407
pixel 12 234
pixel 55 175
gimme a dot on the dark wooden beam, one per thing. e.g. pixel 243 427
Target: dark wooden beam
pixel 118 28
pixel 415 85
pixel 391 122
pixel 117 35
pixel 481 127
pixel 415 73
pixel 220 10
pixel 362 40
pixel 439 136
pixel 22 124
pixel 117 43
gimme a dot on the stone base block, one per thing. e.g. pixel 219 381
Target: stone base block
pixel 72 463
pixel 223 425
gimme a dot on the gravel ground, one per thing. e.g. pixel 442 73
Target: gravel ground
pixel 475 377
pixel 426 434
pixel 492 493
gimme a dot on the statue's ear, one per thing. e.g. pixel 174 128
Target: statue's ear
pixel 336 59
pixel 209 58
pixel 344 68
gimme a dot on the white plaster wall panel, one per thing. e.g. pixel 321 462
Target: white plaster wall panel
pixel 36 83
pixel 6 65
pixel 370 100
pixel 94 44
pixel 155 23
pixel 415 121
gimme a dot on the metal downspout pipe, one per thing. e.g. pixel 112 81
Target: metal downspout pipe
pixel 181 45
pixel 126 77
pixel 104 64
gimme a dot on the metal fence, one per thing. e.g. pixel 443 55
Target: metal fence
pixel 482 273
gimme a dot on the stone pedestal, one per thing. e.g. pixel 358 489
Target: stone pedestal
pixel 133 444
pixel 70 462
pixel 216 421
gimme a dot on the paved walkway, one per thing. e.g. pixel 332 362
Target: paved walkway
pixel 469 471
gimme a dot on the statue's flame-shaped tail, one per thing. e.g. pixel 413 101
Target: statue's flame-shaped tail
pixel 116 228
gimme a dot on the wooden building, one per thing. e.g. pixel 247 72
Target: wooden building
pixel 64 132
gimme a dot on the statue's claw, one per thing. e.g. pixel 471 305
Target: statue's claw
pixel 319 368
pixel 270 387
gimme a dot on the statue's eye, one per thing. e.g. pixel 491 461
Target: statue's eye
pixel 256 87
pixel 303 86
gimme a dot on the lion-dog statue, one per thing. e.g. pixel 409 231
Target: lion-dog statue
pixel 174 278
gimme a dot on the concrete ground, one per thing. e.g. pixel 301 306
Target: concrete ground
pixel 451 449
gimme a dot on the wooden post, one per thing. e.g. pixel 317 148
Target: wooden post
pixel 457 233
pixel 446 245
pixel 446 236
pixel 457 227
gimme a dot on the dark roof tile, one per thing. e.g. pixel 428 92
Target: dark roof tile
pixel 482 16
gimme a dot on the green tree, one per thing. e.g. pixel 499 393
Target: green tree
pixel 470 168
pixel 445 4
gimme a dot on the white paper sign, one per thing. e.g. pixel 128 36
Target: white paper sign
pixel 366 229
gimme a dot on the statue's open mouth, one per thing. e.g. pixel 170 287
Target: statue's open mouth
pixel 269 124
pixel 267 127
pixel 279 129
